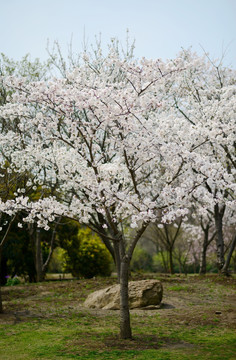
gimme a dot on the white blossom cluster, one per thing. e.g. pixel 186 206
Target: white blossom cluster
pixel 132 141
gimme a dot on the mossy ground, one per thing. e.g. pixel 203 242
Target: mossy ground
pixel 48 321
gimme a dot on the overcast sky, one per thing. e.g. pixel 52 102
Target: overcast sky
pixel 160 27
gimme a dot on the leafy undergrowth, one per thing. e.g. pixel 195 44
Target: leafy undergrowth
pixel 48 321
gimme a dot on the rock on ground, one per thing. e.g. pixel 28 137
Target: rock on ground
pixel 143 293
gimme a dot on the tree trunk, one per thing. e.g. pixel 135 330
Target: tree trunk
pixel 172 271
pixel 125 328
pixel 108 245
pixel 117 259
pixel 53 237
pixel 1 307
pixel 38 257
pixel 218 214
pixel 225 269
pixel 202 270
pixel 164 261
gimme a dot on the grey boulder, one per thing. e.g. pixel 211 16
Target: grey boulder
pixel 142 294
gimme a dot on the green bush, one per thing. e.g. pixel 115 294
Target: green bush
pixel 93 259
pixel 12 281
pixel 86 255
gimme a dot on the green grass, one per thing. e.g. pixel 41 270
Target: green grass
pixel 44 322
pixel 178 288
pixel 58 340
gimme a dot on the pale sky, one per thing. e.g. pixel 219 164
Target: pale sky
pixel 159 27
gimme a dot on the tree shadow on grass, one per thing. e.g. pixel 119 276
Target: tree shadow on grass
pixel 144 342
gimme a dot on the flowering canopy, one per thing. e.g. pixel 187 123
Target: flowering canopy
pixel 130 141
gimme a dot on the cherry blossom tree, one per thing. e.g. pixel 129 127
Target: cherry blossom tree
pixel 200 233
pixel 206 98
pixel 109 137
pixel 15 182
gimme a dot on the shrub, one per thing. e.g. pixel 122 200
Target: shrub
pixel 89 257
pixel 93 259
pixel 12 281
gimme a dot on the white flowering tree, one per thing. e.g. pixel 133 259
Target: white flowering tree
pixel 200 233
pixel 109 138
pixel 14 182
pixel 205 97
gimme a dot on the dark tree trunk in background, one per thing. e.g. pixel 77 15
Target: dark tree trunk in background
pixel 117 260
pixel 3 271
pixel 1 307
pixel 218 215
pixel 53 237
pixel 164 260
pixel 202 270
pixel 203 262
pixel 172 271
pixel 38 257
pixel 225 269
pixel 206 243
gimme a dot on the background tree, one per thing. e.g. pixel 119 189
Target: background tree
pixel 205 98
pixel 11 180
pixel 200 231
pixel 165 236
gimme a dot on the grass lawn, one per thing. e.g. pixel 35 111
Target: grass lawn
pixel 48 321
